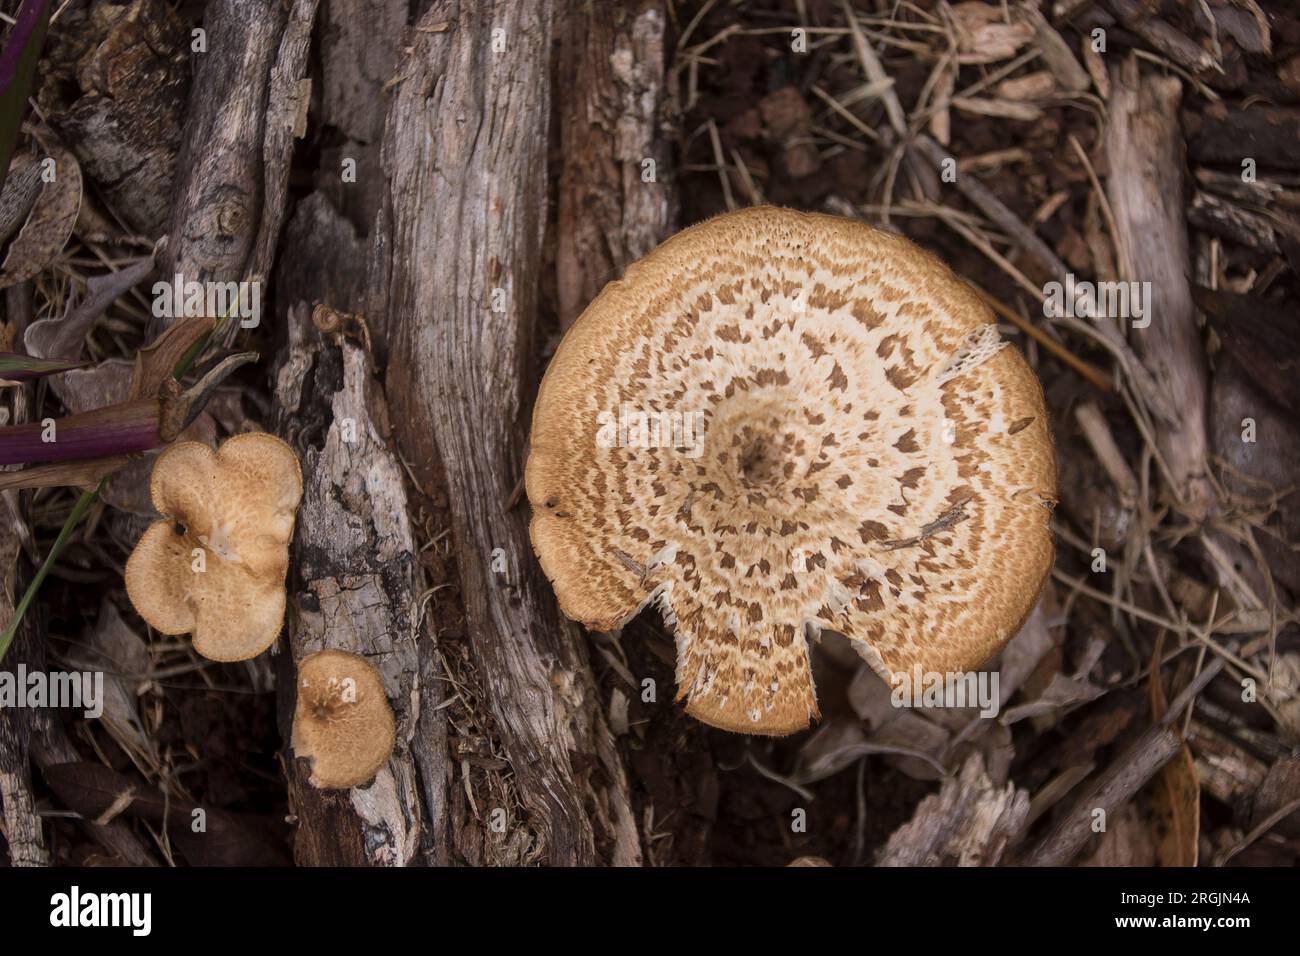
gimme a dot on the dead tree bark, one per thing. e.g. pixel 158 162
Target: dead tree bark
pixel 615 201
pixel 352 586
pixel 355 580
pixel 1144 147
pixel 455 260
pixel 219 176
pixel 22 825
pixel 288 96
pixel 245 104
pixel 360 42
pixel 125 122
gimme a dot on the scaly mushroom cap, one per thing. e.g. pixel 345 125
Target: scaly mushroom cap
pixel 342 723
pixel 866 458
pixel 237 504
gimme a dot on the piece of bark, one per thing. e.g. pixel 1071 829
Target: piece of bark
pixel 324 258
pixel 1261 335
pixel 455 263
pixel 1229 221
pixel 611 69
pixel 22 825
pixel 360 43
pixel 286 117
pixel 1144 151
pixel 1165 38
pixel 1258 194
pixel 221 174
pixel 969 822
pixel 1266 134
pixel 1154 748
pixel 1055 51
pixel 123 122
pixel 351 587
pixel 1227 771
pixel 324 261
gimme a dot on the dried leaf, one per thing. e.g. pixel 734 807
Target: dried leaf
pixel 1172 800
pixel 1062 692
pixel 113 648
pixel 65 336
pixel 84 390
pixel 1280 788
pixel 155 362
pixel 180 409
pixel 16 367
pixel 48 225
pixel 19 195
pixel 1174 811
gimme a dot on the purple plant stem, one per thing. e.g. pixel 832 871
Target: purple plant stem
pixel 115 430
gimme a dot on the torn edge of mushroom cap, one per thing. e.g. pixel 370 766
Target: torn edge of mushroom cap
pixel 342 723
pixel 916 488
pixel 238 504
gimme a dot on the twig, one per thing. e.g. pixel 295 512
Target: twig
pixel 1122 780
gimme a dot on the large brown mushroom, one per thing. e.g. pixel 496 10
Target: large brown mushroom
pixel 855 450
pixel 215 568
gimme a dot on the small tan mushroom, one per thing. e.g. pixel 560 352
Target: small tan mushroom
pixel 216 567
pixel 778 423
pixel 342 722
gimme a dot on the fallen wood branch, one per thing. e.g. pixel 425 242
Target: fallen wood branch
pixel 1144 149
pixel 969 822
pixel 352 587
pixel 610 214
pixel 1122 779
pixel 456 256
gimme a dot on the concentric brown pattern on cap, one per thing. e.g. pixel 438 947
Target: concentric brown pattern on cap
pixel 874 462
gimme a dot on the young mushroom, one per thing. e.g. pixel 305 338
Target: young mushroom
pixel 778 423
pixel 215 568
pixel 342 722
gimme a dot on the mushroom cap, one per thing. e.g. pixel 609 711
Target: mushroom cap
pixel 856 450
pixel 237 504
pixel 342 722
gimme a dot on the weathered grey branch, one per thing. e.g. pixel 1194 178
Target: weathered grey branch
pixel 611 74
pixel 219 182
pixel 286 120
pixel 455 260
pixel 1144 147
pixel 969 822
pixel 360 42
pixel 1122 779
pixel 22 826
pixel 352 585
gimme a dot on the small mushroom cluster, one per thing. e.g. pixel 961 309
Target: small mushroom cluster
pixel 215 568
pixel 875 461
